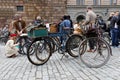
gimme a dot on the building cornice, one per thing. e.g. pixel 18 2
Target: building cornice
pixel 94 6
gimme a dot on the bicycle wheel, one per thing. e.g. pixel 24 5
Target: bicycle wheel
pixel 39 52
pixel 51 42
pixel 24 42
pixel 56 43
pixel 106 37
pixel 72 45
pixel 25 47
pixel 4 39
pixel 100 54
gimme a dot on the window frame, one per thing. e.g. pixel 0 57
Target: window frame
pixel 20 8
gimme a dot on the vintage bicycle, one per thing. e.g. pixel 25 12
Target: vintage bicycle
pixel 101 52
pixel 41 49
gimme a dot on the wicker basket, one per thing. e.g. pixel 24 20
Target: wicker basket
pixel 53 28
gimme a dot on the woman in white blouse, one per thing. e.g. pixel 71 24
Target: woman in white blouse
pixel 11 47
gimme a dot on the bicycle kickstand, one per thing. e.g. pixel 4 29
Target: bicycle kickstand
pixel 63 56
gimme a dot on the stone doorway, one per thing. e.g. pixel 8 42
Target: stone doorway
pixel 80 18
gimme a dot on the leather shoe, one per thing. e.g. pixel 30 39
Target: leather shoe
pixel 90 50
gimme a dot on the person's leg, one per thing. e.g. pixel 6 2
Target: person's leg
pixel 20 45
pixel 116 37
pixel 91 44
pixel 113 37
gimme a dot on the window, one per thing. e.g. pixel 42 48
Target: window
pixel 80 2
pixel 96 2
pixel 19 8
pixel 114 2
pixel 99 2
pixel 111 2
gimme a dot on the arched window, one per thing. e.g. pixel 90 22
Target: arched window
pixel 80 18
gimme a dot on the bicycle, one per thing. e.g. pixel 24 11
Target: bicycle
pixel 4 37
pixel 66 45
pixel 48 44
pixel 39 51
pixel 24 42
pixel 101 52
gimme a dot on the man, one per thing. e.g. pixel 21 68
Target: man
pixel 65 26
pixel 18 26
pixel 71 23
pixel 38 21
pixel 114 29
pixel 108 23
pixel 90 21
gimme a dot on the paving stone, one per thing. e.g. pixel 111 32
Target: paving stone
pixel 20 68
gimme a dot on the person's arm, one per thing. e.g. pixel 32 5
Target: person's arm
pixel 11 26
pixel 112 22
pixel 24 26
pixel 66 24
pixel 11 44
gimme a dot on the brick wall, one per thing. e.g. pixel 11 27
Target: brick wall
pixel 49 10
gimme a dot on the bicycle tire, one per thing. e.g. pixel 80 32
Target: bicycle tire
pixel 4 39
pixel 22 46
pixel 25 47
pixel 50 40
pixel 56 43
pixel 106 37
pixel 72 45
pixel 99 46
pixel 36 58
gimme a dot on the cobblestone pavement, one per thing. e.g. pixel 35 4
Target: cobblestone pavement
pixel 20 68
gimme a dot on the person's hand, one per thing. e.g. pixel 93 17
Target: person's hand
pixel 66 28
pixel 21 32
pixel 83 23
pixel 17 43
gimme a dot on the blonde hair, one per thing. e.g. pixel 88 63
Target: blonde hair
pixel 112 13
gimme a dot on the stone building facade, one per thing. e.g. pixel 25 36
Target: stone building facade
pixel 53 10
pixel 77 8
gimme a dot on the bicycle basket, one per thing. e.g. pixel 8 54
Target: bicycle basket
pixel 53 28
pixel 38 32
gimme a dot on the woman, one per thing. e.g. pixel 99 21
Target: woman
pixel 11 48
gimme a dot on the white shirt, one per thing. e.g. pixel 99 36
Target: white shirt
pixel 11 48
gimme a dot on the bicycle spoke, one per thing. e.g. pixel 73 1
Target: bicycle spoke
pixel 98 57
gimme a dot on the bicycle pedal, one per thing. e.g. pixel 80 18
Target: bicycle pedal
pixel 65 56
